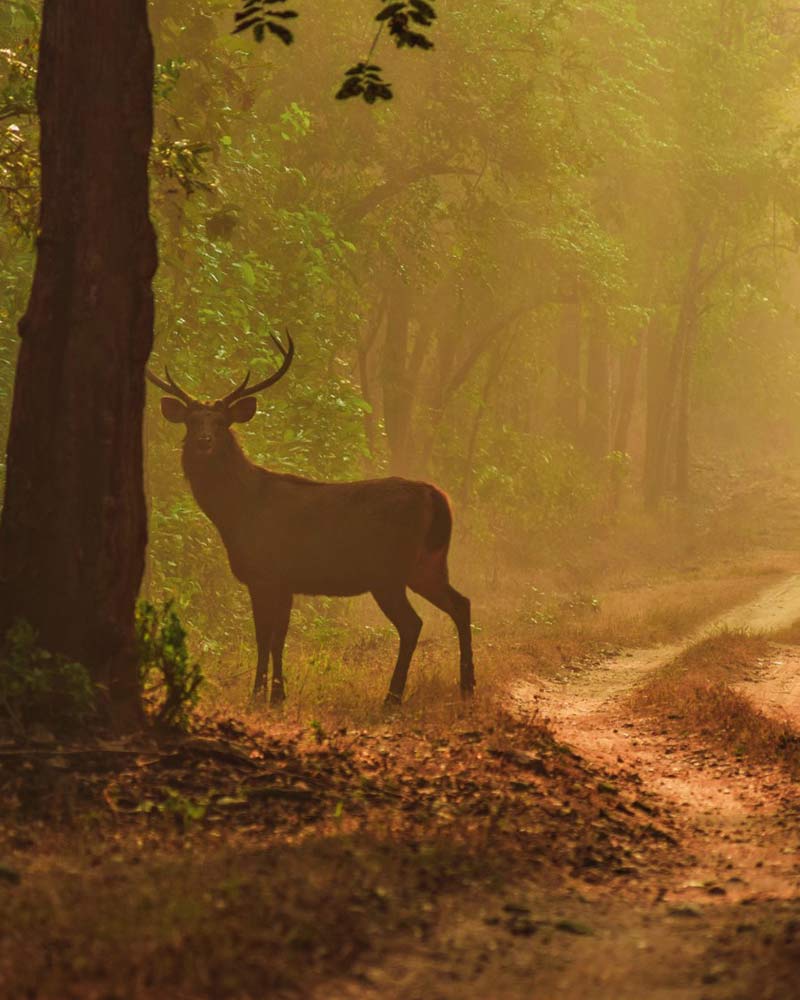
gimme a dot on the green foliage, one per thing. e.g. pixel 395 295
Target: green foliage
pixel 170 681
pixel 183 809
pixel 19 167
pixel 39 688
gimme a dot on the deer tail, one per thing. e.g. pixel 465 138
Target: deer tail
pixel 441 526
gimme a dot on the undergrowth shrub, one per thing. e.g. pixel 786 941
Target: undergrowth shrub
pixel 170 681
pixel 41 688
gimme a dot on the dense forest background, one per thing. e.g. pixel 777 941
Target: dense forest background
pixel 556 274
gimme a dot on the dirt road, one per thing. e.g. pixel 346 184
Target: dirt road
pixel 695 932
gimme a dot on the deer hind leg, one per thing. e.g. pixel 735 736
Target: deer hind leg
pixel 395 605
pixel 430 580
pixel 283 608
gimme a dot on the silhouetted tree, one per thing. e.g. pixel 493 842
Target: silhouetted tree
pixel 73 527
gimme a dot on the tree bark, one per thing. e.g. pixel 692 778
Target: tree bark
pixel 625 403
pixel 598 389
pixel 626 400
pixel 364 345
pixel 568 363
pixel 662 431
pixel 73 528
pixel 682 448
pixel 397 386
pixel 656 368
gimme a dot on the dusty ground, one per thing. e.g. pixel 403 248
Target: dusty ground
pixel 723 921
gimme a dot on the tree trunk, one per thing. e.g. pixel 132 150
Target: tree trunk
pixel 656 369
pixel 364 347
pixel 626 400
pixel 662 430
pixel 598 387
pixel 569 373
pixel 682 428
pixel 73 528
pixel 496 365
pixel 397 388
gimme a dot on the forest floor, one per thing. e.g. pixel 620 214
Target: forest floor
pixel 722 918
pixel 616 816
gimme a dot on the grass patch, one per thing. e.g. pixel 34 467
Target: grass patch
pixel 790 634
pixel 338 661
pixel 694 694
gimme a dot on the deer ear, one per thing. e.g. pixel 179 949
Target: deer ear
pixel 242 410
pixel 173 410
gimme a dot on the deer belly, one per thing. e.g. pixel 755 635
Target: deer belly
pixel 319 577
pixel 319 583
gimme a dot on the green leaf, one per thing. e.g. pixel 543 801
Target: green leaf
pixel 248 274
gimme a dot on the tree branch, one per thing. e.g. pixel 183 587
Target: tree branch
pixel 396 184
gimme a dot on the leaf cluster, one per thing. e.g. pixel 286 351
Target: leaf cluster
pixel 364 80
pixel 261 16
pixel 19 166
pixel 169 680
pixel 400 15
pixel 41 689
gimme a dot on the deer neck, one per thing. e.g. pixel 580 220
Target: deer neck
pixel 222 483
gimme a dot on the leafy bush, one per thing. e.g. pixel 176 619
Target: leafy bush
pixel 170 682
pixel 41 688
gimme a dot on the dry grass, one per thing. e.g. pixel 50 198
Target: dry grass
pixel 340 654
pixel 641 582
pixel 694 694
pixel 790 634
pixel 671 609
pixel 226 923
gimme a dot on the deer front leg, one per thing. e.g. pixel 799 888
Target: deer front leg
pixel 283 608
pixel 263 616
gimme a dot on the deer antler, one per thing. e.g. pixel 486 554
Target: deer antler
pixel 245 390
pixel 170 386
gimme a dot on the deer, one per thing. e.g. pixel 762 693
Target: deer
pixel 287 535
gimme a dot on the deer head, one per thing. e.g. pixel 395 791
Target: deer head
pixel 208 424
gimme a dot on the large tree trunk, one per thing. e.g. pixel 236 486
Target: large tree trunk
pixel 73 528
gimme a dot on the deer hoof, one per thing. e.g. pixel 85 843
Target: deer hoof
pixel 392 701
pixel 257 697
pixel 277 695
pixel 467 691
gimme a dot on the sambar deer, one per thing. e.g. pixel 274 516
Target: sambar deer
pixel 287 535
